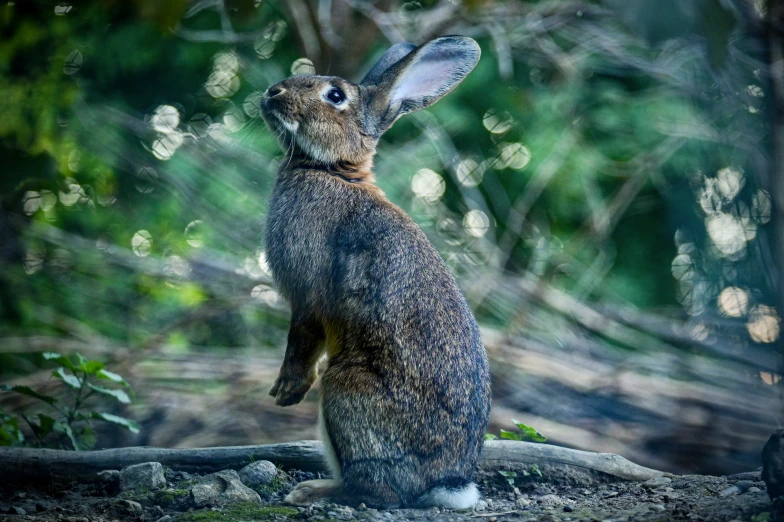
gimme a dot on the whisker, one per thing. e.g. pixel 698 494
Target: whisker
pixel 293 138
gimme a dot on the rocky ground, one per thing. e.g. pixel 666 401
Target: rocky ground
pixel 149 492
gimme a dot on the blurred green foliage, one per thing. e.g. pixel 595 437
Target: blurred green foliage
pixel 136 170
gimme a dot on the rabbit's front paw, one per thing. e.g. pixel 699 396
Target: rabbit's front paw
pixel 291 389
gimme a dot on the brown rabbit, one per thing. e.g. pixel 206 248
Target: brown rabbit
pixel 406 394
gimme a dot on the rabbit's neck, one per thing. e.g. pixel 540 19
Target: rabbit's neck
pixel 347 171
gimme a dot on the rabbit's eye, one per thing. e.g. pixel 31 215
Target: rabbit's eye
pixel 336 96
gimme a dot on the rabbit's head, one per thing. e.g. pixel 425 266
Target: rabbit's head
pixel 330 120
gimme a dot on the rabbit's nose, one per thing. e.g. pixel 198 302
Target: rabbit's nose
pixel 275 90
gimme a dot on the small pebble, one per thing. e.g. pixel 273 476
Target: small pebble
pixel 610 494
pixel 480 506
pixel 15 510
pixel 743 485
pixel 657 482
pixel 164 518
pixel 362 507
pixel 552 500
pixel 754 489
pixel 657 507
pixel 109 475
pixel 568 508
pixel 727 492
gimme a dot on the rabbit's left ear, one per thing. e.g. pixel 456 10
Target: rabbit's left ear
pixel 422 77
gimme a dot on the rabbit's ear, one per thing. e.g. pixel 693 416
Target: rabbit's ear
pixel 393 55
pixel 422 77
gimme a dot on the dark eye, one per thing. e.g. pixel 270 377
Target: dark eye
pixel 336 96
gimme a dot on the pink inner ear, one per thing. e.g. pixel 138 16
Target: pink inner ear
pixel 422 79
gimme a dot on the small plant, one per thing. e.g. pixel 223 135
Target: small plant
pixel 73 419
pixel 510 477
pixel 10 435
pixel 526 433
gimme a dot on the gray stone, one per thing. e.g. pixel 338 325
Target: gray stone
pixel 480 506
pixel 222 488
pixel 657 482
pixel 754 489
pixel 551 500
pixel 131 507
pixel 259 473
pixel 743 485
pixel 657 507
pixel 148 476
pixel 16 510
pixel 109 475
pixel 165 518
pixel 727 492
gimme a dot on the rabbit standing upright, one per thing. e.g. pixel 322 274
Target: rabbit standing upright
pixel 405 398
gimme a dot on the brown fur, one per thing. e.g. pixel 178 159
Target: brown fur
pixel 406 394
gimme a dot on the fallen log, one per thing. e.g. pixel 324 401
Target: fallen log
pixel 557 464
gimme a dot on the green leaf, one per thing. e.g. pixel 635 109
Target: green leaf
pixel 130 425
pixel 71 380
pixel 10 435
pixel 65 428
pixel 89 367
pixel 490 436
pixel 535 470
pixel 87 437
pixel 529 433
pixel 511 435
pixel 120 395
pixel 92 367
pixel 106 374
pixel 62 360
pixel 510 476
pixel 26 390
pixel 46 425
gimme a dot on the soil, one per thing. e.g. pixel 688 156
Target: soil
pixel 690 498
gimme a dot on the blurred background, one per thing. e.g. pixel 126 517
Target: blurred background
pixel 603 186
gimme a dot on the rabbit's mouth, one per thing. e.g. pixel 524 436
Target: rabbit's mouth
pixel 289 126
pixel 273 116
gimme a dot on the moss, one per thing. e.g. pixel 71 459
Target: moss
pixel 170 496
pixel 238 513
pixel 278 483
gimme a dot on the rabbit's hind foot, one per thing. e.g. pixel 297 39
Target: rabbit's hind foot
pixel 311 491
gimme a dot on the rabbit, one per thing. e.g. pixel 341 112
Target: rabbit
pixel 405 396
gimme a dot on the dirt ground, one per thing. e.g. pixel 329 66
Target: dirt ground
pixel 691 498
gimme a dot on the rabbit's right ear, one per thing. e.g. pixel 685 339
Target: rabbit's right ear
pixel 418 79
pixel 393 55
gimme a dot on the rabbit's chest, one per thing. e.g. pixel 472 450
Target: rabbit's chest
pixel 298 230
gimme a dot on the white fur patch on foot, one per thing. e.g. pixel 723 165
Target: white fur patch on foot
pixel 463 498
pixel 310 491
